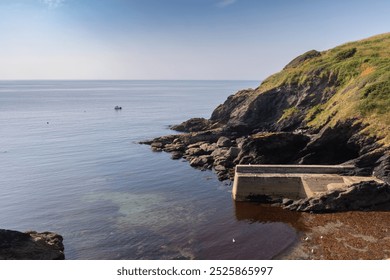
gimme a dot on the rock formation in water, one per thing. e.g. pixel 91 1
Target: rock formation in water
pixel 329 107
pixel 31 245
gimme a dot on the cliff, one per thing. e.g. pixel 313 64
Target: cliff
pixel 328 107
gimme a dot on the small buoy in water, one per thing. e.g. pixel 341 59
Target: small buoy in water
pixel 234 240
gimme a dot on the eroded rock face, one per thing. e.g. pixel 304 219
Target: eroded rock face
pixel 31 245
pixel 361 196
pixel 294 117
pixel 193 125
pixel 272 148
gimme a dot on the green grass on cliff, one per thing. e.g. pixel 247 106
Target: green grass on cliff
pixel 358 76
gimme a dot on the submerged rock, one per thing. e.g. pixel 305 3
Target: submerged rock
pixel 31 245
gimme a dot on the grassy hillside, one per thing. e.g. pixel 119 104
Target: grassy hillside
pixel 357 75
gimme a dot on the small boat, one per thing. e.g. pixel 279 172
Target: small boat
pixel 118 108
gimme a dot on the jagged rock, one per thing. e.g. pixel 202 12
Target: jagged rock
pixel 224 142
pixel 176 155
pixel 232 106
pixel 233 152
pixel 382 170
pixel 268 148
pixel 331 145
pixel 368 195
pixel 193 125
pixel 196 152
pixel 219 168
pixel 15 245
pixel 219 152
pixel 222 176
pixel 157 146
pixel 209 148
pixel 180 147
pixel 244 159
pixel 201 161
pixel 302 58
pixel 369 163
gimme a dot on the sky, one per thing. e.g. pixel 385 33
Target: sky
pixel 174 39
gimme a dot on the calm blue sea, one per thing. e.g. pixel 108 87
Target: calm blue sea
pixel 70 163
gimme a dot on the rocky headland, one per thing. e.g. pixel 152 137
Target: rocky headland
pixel 31 245
pixel 329 107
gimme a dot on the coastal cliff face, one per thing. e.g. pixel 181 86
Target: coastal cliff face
pixel 31 245
pixel 329 107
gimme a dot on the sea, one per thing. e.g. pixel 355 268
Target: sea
pixel 71 164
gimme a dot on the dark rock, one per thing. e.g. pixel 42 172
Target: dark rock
pixel 201 161
pixel 220 168
pixel 196 152
pixel 176 155
pixel 366 196
pixel 287 201
pixel 219 152
pixel 157 145
pixel 269 148
pixel 15 245
pixel 193 125
pixel 232 106
pixel 331 145
pixel 222 175
pixel 224 142
pixel 223 161
pixel 209 148
pixel 366 163
pixel 302 58
pixel 180 147
pixel 382 169
pixel 232 153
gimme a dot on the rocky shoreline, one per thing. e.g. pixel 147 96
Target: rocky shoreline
pixel 311 112
pixel 221 149
pixel 218 151
pixel 30 245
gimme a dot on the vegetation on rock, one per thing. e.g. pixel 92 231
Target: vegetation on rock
pixel 355 79
pixel 327 107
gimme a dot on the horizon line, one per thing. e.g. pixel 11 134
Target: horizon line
pixel 11 80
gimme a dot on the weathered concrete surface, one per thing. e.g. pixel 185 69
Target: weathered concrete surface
pixel 291 181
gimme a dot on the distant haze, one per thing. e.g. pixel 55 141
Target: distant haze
pixel 174 39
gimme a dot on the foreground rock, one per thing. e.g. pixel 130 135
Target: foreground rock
pixel 362 196
pixel 31 245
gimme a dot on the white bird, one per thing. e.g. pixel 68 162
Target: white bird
pixel 234 240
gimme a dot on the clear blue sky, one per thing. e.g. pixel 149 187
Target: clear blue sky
pixel 174 39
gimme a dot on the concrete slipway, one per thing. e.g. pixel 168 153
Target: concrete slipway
pixel 291 181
